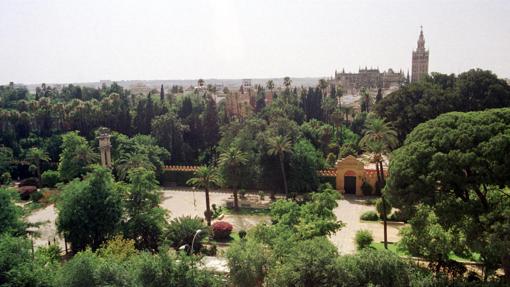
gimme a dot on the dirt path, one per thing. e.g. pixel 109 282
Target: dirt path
pixel 46 229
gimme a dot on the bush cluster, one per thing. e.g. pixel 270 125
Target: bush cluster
pixel 363 239
pixel 370 216
pixel 181 231
pixel 50 178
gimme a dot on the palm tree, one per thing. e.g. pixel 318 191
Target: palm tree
pixel 205 177
pixel 287 82
pixel 378 130
pixel 131 161
pixel 323 85
pixel 231 161
pixel 35 156
pixel 278 146
pixel 85 155
pixel 270 85
pixel 379 138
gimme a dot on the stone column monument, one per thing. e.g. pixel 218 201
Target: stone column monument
pixel 105 148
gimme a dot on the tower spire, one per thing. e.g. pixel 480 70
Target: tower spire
pixel 421 39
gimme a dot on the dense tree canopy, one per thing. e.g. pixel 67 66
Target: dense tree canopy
pixel 457 164
pixel 418 102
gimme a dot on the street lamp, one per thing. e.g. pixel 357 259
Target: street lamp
pixel 187 247
pixel 198 232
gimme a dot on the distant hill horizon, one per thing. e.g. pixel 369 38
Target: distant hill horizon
pixel 156 84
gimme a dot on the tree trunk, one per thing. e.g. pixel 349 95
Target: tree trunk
pixel 385 223
pixel 505 263
pixel 207 213
pixel 236 199
pixel 379 181
pixel 381 168
pixel 39 174
pixel 284 177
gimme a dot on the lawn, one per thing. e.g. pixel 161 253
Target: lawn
pixel 393 248
pixel 246 211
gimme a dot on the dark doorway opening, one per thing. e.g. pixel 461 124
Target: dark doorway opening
pixel 350 184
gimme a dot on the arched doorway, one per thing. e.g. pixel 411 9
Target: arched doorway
pixel 350 182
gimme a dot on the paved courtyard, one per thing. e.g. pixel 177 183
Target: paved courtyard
pixel 349 211
pixel 182 202
pixel 192 203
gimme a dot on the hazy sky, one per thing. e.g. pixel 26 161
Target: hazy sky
pixel 78 41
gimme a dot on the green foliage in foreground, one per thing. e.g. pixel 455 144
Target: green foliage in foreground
pixel 143 269
pixel 90 210
pixel 10 214
pixel 115 264
pixel 19 268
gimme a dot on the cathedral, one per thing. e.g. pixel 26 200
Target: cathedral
pixel 373 79
pixel 420 64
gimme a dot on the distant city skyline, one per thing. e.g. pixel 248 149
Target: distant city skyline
pixel 88 41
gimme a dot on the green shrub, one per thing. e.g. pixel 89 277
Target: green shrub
pixel 242 233
pixel 370 216
pixel 36 196
pixel 10 214
pixel 397 216
pixel 380 208
pixel 5 178
pixel 248 262
pixel 366 188
pixel 363 239
pixel 217 211
pixel 370 267
pixel 182 230
pixel 50 178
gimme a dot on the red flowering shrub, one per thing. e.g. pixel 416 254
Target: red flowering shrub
pixel 221 230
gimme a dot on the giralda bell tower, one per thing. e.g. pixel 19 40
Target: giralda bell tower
pixel 420 65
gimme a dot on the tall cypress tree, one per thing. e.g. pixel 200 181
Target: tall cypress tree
pixel 378 97
pixel 210 123
pixel 149 114
pixel 162 94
